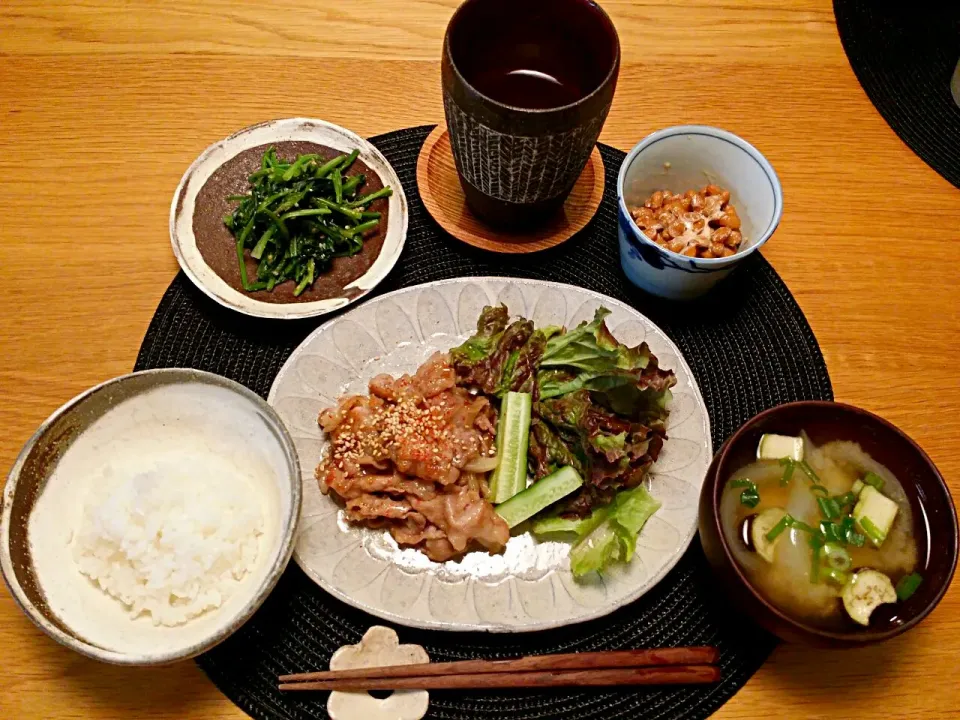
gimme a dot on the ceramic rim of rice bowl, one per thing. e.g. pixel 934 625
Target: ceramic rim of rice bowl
pixel 119 465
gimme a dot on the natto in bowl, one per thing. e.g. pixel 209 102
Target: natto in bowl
pixel 688 157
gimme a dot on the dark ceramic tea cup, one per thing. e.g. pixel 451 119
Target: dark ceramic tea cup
pixel 527 85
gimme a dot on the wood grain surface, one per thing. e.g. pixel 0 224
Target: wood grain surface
pixel 104 103
pixel 444 199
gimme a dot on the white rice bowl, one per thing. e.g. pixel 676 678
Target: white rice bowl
pixel 165 522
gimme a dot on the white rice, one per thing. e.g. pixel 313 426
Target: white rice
pixel 169 544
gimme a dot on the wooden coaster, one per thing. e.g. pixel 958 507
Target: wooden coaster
pixel 443 197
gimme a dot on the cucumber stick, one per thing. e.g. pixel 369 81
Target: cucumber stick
pixel 540 495
pixel 513 436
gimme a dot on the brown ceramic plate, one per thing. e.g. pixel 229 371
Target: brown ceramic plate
pixel 443 197
pixel 206 250
pixel 930 500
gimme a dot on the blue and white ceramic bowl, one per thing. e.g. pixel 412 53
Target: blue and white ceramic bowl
pixel 683 158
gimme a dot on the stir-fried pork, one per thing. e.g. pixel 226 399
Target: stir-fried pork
pixel 410 456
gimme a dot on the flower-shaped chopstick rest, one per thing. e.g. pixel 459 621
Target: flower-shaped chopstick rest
pixel 379 647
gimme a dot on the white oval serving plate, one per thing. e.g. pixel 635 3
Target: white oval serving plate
pixel 529 586
pixel 275 131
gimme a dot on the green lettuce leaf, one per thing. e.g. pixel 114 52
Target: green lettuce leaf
pixel 632 510
pixel 493 352
pixel 586 347
pixel 593 348
pixel 625 379
pixel 579 526
pixel 611 446
pixel 490 326
pixel 598 405
pixel 595 551
pixel 612 452
pixel 615 537
pixel 547 451
pixel 520 375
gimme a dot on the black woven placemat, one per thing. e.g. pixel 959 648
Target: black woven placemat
pixel 749 347
pixel 904 54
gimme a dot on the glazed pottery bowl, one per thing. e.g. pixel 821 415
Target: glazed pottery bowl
pixel 206 249
pixel 933 511
pixel 186 418
pixel 688 157
pixel 526 90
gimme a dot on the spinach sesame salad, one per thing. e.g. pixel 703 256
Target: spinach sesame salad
pixel 298 216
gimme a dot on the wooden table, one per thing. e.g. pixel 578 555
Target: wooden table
pixel 104 103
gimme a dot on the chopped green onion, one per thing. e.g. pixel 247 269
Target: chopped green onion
pixel 778 529
pixel 819 489
pixel 808 471
pixel 840 577
pixel 871 478
pixel 872 531
pixel 847 498
pixel 800 525
pixel 908 585
pixel 788 466
pixel 836 556
pixel 848 529
pixel 829 508
pixel 856 539
pixel 833 532
pixel 750 497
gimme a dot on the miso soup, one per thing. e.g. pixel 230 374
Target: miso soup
pixel 826 533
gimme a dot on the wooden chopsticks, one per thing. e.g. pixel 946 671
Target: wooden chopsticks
pixel 665 666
